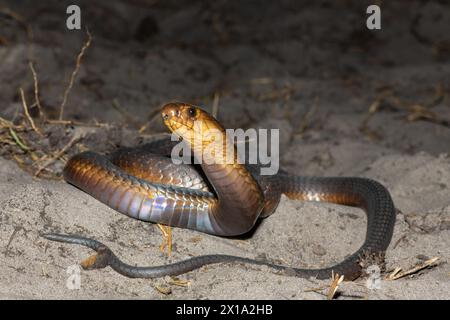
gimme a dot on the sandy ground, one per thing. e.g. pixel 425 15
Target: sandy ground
pixel 313 78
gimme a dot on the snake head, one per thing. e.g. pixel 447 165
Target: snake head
pixel 192 124
pixel 182 113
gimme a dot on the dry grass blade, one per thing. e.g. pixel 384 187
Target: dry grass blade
pixel 78 123
pixel 317 290
pixel 394 273
pixel 74 74
pixel 8 124
pixel 419 112
pixel 415 112
pixel 27 113
pixel 162 289
pixel 178 282
pixel 337 280
pixel 167 234
pixel 6 140
pixel 332 288
pixel 397 273
pixel 36 89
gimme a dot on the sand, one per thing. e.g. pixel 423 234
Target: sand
pixel 294 74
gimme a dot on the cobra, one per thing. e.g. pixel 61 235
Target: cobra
pixel 217 197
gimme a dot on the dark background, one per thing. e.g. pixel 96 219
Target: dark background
pixel 310 68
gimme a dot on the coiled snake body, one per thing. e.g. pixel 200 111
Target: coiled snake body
pixel 223 198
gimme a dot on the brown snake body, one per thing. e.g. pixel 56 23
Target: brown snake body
pixel 222 198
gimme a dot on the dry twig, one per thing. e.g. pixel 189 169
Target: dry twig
pixel 27 113
pixel 177 281
pixel 74 74
pixel 163 289
pixel 36 89
pixel 167 234
pixel 398 273
pixel 337 280
pixel 78 123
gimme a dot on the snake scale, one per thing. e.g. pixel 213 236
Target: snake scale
pixel 220 198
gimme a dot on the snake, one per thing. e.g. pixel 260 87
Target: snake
pixel 213 196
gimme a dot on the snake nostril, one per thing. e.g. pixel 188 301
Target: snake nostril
pixel 165 116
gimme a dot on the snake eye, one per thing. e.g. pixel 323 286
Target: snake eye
pixel 192 112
